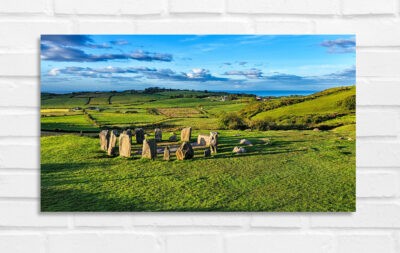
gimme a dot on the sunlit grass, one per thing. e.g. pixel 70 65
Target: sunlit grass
pixel 282 171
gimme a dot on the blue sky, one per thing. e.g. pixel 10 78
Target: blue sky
pixel 201 62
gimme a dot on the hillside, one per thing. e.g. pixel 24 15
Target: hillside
pixel 327 109
pixel 164 108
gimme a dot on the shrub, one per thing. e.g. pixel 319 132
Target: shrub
pixel 153 111
pixel 349 103
pixel 132 111
pixel 232 120
pixel 263 125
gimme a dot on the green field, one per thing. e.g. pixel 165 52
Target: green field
pixel 297 169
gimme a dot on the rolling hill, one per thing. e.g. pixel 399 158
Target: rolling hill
pixel 327 109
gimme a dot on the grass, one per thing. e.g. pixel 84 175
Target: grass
pixel 99 101
pixel 67 123
pixel 195 123
pixel 283 171
pixel 63 101
pixel 296 171
pixel 182 102
pixel 180 112
pixel 321 105
pixel 339 121
pixel 134 98
pixel 125 119
pixel 227 107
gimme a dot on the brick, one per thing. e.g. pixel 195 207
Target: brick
pixel 143 7
pixel 87 7
pixel 22 243
pixel 16 125
pixel 220 220
pixel 23 6
pixel 10 156
pixel 182 219
pixel 26 34
pixel 105 27
pixel 19 185
pixel 117 7
pixel 278 243
pixel 19 93
pixel 378 63
pixel 200 6
pixel 283 27
pixel 378 154
pixel 368 215
pixel 27 214
pixel 193 243
pixel 377 92
pixel 167 219
pixel 376 184
pixel 365 243
pixel 101 220
pixel 104 242
pixel 364 7
pixel 377 122
pixel 276 220
pixel 193 27
pixel 370 32
pixel 19 64
pixel 318 7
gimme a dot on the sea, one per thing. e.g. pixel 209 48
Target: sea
pixel 272 93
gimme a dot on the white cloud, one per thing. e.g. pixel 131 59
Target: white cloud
pixel 54 72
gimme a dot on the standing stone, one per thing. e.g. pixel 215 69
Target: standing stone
pixel 149 149
pixel 203 140
pixel 167 153
pixel 238 150
pixel 112 149
pixel 207 153
pixel 158 134
pixel 186 134
pixel 139 132
pixel 125 144
pixel 130 133
pixel 245 142
pixel 104 138
pixel 213 142
pixel 185 151
pixel 173 137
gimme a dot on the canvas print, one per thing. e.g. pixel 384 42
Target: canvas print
pixel 259 123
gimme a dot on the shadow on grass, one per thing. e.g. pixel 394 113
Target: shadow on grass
pixel 258 147
pixel 72 200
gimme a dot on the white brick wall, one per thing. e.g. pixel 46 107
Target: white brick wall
pixel 375 227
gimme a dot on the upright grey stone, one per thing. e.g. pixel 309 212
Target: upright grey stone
pixel 245 142
pixel 167 154
pixel 149 149
pixel 139 133
pixel 128 132
pixel 173 137
pixel 185 151
pixel 158 134
pixel 186 134
pixel 238 150
pixel 203 140
pixel 104 138
pixel 125 144
pixel 112 149
pixel 213 142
